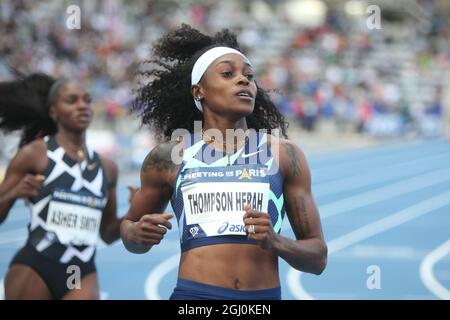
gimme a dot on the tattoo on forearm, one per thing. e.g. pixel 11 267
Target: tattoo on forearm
pixel 293 159
pixel 294 218
pixel 304 213
pixel 299 216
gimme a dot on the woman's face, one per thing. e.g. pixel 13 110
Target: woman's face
pixel 72 107
pixel 228 86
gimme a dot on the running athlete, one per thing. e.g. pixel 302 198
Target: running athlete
pixel 70 189
pixel 229 192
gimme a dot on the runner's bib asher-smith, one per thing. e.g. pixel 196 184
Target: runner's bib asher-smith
pixel 75 218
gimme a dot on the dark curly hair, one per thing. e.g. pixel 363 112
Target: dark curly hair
pixel 24 105
pixel 165 103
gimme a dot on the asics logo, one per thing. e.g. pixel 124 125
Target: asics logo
pixel 232 228
pixel 223 228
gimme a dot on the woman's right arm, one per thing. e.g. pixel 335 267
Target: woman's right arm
pixel 145 224
pixel 21 178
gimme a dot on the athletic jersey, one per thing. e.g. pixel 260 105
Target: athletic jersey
pixel 212 188
pixel 66 214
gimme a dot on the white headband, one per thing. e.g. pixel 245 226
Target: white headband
pixel 203 63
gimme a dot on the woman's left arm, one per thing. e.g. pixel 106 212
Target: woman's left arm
pixel 308 253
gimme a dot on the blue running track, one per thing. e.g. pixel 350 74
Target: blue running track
pixel 383 208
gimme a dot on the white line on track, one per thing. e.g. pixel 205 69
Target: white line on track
pixel 426 271
pixel 384 193
pixel 369 230
pixel 157 274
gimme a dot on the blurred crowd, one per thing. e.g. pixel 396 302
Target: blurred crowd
pixel 386 82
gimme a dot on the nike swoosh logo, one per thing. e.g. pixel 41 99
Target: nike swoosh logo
pixel 250 154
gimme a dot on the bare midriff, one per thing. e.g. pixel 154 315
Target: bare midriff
pixel 234 266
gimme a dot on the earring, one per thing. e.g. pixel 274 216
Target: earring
pixel 197 99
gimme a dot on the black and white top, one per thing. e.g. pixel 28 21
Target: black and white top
pixel 66 214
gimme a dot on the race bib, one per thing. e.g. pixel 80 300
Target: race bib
pixel 74 218
pixel 220 205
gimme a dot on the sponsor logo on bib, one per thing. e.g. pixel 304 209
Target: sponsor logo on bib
pixel 223 228
pixel 231 228
pixel 193 231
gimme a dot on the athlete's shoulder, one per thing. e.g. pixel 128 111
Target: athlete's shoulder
pixel 109 164
pixel 163 151
pixel 36 150
pixel 285 146
pixel 160 159
pixel 35 147
pixel 289 154
pixel 31 157
pixel 111 168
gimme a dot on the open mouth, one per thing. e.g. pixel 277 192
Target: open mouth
pixel 245 94
pixel 84 117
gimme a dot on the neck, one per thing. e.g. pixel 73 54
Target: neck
pixel 225 124
pixel 73 142
pixel 232 132
pixel 76 139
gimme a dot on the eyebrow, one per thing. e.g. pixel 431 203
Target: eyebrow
pixel 70 95
pixel 233 62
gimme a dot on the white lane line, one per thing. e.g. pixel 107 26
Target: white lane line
pixel 384 193
pixel 295 286
pixel 155 276
pixel 338 159
pixel 380 160
pixel 395 252
pixel 395 171
pixel 391 221
pixel 369 230
pixel 426 271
